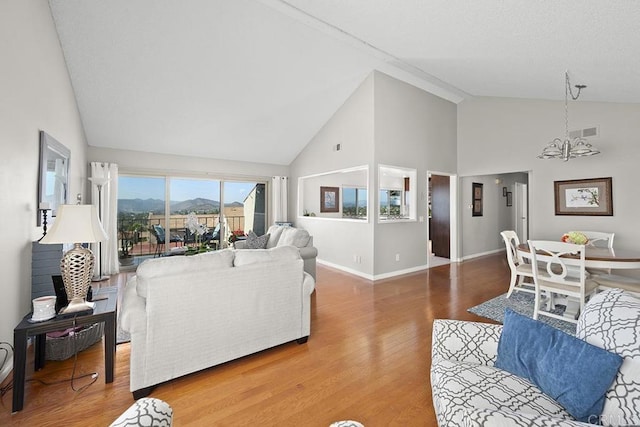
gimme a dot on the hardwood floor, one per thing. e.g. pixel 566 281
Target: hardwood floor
pixel 367 359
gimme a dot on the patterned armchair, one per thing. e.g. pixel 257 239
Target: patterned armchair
pixel 147 411
pixel 468 390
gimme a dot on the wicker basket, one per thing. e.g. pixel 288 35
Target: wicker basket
pixel 64 347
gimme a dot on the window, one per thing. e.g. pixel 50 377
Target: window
pixel 165 202
pixel 397 195
pixel 350 188
pixel 354 202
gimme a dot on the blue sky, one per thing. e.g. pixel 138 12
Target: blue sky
pixel 181 189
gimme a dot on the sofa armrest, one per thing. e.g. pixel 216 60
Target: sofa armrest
pixel 465 341
pixel 132 315
pixel 308 252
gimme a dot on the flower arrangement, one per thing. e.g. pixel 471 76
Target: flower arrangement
pixel 575 237
pixel 197 229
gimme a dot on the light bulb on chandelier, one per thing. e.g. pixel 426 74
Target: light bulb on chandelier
pixel 568 148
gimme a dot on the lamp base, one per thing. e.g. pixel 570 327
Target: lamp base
pixel 99 278
pixel 76 305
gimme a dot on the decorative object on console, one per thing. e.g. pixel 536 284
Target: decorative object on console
pixel 584 197
pixel 76 224
pixel 568 149
pixel 44 308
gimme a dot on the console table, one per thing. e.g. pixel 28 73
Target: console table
pixel 104 311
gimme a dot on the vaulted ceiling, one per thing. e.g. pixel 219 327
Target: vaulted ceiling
pixel 255 80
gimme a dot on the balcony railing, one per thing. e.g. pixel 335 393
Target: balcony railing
pixel 138 230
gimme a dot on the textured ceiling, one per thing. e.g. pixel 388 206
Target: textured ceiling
pixel 256 80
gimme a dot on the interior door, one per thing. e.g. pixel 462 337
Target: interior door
pixel 440 214
pixel 522 211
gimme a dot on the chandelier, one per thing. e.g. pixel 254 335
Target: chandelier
pixel 568 148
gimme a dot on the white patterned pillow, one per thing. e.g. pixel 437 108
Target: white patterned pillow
pixel 611 320
pixel 475 417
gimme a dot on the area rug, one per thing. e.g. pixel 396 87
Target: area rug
pixel 521 302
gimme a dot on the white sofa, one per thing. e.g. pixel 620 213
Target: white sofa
pixel 189 313
pixel 290 236
pixel 468 390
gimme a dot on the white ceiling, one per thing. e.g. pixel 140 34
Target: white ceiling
pixel 255 80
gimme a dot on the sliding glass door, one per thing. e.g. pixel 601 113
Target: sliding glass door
pixel 154 212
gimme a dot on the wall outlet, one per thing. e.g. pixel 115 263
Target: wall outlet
pixel 397 257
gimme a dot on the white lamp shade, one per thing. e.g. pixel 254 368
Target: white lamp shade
pixel 76 224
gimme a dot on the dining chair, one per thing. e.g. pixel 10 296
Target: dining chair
pixel 561 270
pixel 599 239
pixel 520 270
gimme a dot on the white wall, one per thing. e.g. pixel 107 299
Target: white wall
pixel 413 129
pixel 481 234
pixel 36 95
pixel 384 122
pixel 497 135
pixel 340 242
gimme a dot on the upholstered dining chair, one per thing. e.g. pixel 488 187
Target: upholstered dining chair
pixel 520 270
pixel 561 270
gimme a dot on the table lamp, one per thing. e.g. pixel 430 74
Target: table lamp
pixel 76 224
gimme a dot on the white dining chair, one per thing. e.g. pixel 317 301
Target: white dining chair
pixel 561 270
pixel 520 270
pixel 599 238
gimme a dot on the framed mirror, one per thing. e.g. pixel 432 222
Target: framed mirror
pixel 53 180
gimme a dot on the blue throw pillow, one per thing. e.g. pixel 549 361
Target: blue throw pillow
pixel 573 372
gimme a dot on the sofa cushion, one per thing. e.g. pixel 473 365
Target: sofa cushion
pixel 474 417
pixel 257 242
pixel 611 320
pixel 274 233
pixel 261 256
pixel 460 385
pixel 291 236
pixel 561 365
pixel 158 267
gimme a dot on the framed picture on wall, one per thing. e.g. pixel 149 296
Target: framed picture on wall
pixel 509 198
pixel 584 197
pixel 329 199
pixel 476 190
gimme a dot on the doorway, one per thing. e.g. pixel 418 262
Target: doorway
pixel 521 211
pixel 439 195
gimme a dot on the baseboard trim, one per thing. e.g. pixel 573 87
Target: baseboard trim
pixel 6 369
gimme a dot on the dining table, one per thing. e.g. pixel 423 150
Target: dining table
pixel 601 258
pixel 598 258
